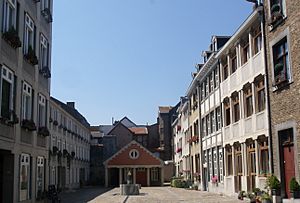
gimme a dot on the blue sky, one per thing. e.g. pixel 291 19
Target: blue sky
pixel 118 58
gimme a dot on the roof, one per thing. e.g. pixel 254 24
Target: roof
pixel 105 128
pixel 94 128
pixel 73 112
pixel 164 109
pixel 127 122
pixel 139 130
pixel 144 158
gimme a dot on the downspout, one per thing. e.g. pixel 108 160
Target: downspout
pixel 262 18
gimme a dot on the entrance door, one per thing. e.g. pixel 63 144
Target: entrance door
pixel 141 176
pixel 289 167
pixel 287 158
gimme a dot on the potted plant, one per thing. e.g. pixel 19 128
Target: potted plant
pixel 31 57
pixel 241 195
pixel 294 188
pixel 266 198
pixel 11 36
pixel 43 131
pixel 275 8
pixel 274 185
pixel 28 125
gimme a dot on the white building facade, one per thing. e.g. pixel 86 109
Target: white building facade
pixel 69 150
pixel 244 109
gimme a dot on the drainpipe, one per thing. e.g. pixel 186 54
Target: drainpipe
pixel 263 21
pixel 200 140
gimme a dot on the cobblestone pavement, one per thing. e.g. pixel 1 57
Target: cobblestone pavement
pixel 147 194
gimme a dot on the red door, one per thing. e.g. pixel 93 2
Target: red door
pixel 141 177
pixel 289 166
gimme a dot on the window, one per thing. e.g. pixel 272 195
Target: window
pixel 42 111
pixel 7 92
pixel 233 64
pixel 213 122
pixel 27 101
pixel 225 72
pixel 281 62
pixel 202 91
pixel 251 158
pixel 24 177
pixel 216 77
pixel 28 34
pixel 227 112
pixel 211 80
pixel 9 15
pixel 215 159
pixel 238 160
pixel 264 156
pixel 207 86
pixel 40 178
pixel 236 107
pixel 196 128
pixel 208 124
pixel 44 52
pixel 204 130
pixel 257 38
pixel 246 53
pixel 221 172
pixel 210 164
pixel 154 174
pixel 260 96
pixel 229 160
pixel 218 117
pixel 278 6
pixel 45 4
pixel 248 101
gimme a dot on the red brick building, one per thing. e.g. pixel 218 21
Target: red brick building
pixel 134 159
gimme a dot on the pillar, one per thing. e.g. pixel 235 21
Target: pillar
pixel 134 175
pixel 162 176
pixel 120 176
pixel 148 176
pixel 106 177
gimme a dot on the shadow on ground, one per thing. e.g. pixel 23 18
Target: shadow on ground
pixel 86 194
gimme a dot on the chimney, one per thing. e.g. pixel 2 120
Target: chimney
pixel 71 104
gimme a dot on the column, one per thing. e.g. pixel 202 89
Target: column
pixel 162 175
pixel 120 176
pixel 250 45
pixel 106 177
pixel 148 176
pixel 134 175
pixel 233 168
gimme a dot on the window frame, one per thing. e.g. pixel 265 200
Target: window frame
pixel 27 91
pixel 25 161
pixel 12 5
pixel 29 33
pixel 236 107
pixel 7 75
pixel 259 91
pixel 42 102
pixel 248 95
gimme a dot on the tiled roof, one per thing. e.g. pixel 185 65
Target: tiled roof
pixel 139 130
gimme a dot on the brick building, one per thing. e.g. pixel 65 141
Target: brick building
pixel 282 27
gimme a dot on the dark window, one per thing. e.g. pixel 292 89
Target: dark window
pixel 260 96
pixel 227 113
pixel 225 72
pixel 246 53
pixel 281 61
pixel 233 64
pixel 248 102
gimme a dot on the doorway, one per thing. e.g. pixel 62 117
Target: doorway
pixel 6 176
pixel 287 161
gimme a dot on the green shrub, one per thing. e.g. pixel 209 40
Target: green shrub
pixel 273 182
pixel 294 185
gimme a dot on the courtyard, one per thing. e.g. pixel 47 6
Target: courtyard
pixel 147 194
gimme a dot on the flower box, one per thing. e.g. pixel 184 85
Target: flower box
pixel 30 56
pixel 43 131
pixel 28 125
pixel 45 71
pixel 178 150
pixel 12 38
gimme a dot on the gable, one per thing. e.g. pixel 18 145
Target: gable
pixel 127 122
pixel 124 158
